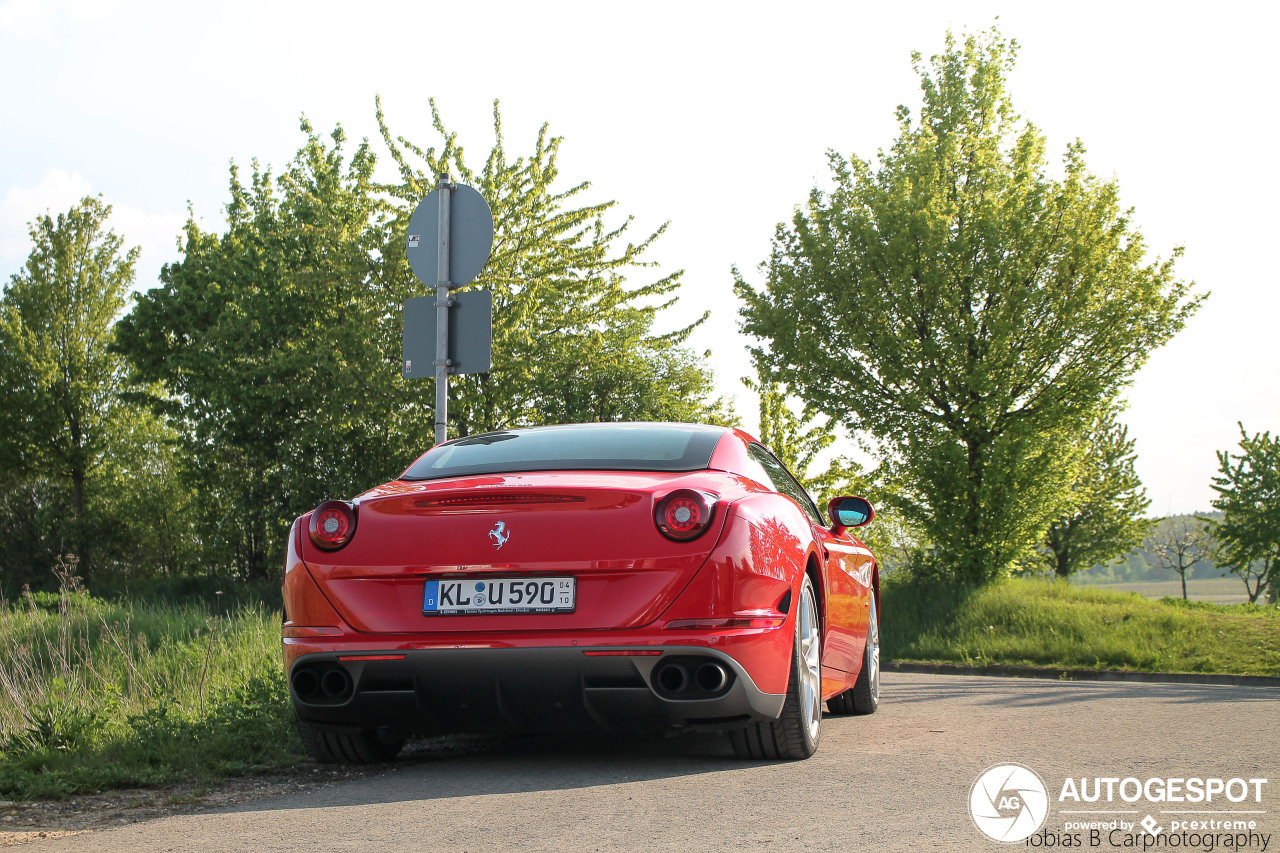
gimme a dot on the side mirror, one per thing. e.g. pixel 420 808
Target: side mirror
pixel 850 512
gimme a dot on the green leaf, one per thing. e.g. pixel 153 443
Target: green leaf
pixel 965 311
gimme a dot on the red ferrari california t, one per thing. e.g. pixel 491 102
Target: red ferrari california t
pixel 618 576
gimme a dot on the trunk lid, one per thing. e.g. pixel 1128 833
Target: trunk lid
pixel 593 526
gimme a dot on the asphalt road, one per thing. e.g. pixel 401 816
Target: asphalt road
pixel 896 780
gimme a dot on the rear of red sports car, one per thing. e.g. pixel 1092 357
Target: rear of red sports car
pixel 616 576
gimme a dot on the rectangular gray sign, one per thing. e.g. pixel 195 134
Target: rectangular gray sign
pixel 470 334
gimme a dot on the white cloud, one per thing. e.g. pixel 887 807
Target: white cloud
pixel 58 190
pixel 156 233
pixel 28 18
pixel 23 17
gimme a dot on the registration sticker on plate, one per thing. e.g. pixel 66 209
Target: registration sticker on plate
pixel 499 595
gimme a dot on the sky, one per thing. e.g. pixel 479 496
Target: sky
pixel 714 117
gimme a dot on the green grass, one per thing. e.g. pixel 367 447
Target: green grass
pixel 98 694
pixel 1044 623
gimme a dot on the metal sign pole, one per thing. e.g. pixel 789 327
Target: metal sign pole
pixel 450 257
pixel 443 301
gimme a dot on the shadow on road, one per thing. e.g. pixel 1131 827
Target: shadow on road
pixel 1029 692
pixel 478 765
pixel 468 766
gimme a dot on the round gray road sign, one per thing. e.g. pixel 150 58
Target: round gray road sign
pixel 470 237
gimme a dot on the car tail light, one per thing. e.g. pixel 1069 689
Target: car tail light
pixel 684 514
pixel 332 525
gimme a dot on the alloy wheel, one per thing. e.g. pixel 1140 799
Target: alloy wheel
pixel 873 649
pixel 811 660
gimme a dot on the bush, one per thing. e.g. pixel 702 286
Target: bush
pixel 96 693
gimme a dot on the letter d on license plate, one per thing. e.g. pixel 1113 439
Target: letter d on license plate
pixel 460 596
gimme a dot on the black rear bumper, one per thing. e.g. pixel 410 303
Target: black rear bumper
pixel 539 689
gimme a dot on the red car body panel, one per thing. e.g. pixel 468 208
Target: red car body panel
pixel 632 582
pixel 404 538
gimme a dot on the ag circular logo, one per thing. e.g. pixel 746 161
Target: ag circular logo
pixel 1008 803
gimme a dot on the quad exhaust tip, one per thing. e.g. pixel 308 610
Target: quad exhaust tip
pixel 691 678
pixel 329 684
pixel 673 678
pixel 711 677
pixel 335 683
pixel 305 683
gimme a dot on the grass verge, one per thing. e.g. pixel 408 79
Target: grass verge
pixel 98 694
pixel 1045 623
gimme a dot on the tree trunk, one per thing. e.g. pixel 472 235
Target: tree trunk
pixel 256 563
pixel 975 571
pixel 77 503
pixel 1183 575
pixel 1062 558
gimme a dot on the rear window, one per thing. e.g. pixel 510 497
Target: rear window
pixel 579 447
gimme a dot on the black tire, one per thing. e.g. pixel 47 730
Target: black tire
pixel 795 734
pixel 864 696
pixel 842 704
pixel 354 746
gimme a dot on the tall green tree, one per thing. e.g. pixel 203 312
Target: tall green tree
pixel 276 345
pixel 1103 516
pixel 966 309
pixel 278 341
pixel 1248 534
pixel 61 385
pixel 573 338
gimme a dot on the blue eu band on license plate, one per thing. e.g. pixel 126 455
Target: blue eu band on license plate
pixel 499 595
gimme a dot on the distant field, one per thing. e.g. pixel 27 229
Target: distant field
pixel 1214 590
pixel 1026 622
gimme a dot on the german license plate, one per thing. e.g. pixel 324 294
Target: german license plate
pixel 499 595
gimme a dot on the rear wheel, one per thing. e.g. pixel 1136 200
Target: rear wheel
pixel 354 746
pixel 864 696
pixel 795 733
